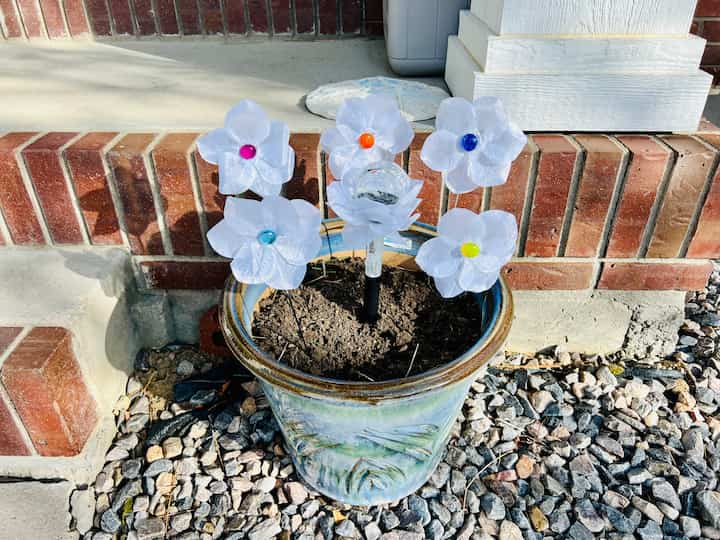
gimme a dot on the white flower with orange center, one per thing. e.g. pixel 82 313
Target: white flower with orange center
pixel 252 152
pixel 367 130
pixel 469 250
pixel 474 144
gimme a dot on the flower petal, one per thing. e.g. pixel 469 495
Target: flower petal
pixel 286 276
pixel 472 279
pixel 269 173
pixel 506 145
pixel 500 235
pixel 279 215
pixel 342 159
pixel 459 180
pixel 448 287
pixel 253 263
pixel 486 175
pixel 457 116
pixel 265 189
pixel 308 214
pixel 440 151
pixel 437 258
pixel 392 132
pixel 356 236
pixel 244 216
pixel 275 149
pixel 461 224
pixel 225 240
pixel 236 174
pixel 248 122
pixel 214 144
pixel 356 113
pixel 334 138
pixel 489 114
pixel 298 249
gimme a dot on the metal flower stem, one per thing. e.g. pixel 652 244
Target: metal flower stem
pixel 373 270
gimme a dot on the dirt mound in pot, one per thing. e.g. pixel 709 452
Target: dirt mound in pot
pixel 316 328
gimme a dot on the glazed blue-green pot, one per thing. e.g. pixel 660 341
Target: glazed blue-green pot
pixel 366 443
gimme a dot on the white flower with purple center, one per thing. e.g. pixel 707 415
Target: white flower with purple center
pixel 474 144
pixel 367 130
pixel 469 250
pixel 375 202
pixel 252 152
pixel 269 241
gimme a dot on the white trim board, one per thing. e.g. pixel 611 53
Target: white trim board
pixel 584 102
pixel 579 54
pixel 586 16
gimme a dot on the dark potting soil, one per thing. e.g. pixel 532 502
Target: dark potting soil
pixel 316 329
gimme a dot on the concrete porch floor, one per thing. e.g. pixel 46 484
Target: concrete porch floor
pixel 188 85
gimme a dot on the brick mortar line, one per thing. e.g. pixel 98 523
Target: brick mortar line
pixel 15 416
pixel 43 22
pixel 155 19
pixel 63 14
pixel 575 179
pixel 662 188
pixel 111 18
pixel 322 178
pixel 156 193
pixel 133 18
pixel 67 175
pixel 702 199
pixel 617 194
pixel 4 229
pixel 113 189
pixel 86 14
pixel 524 225
pixel 199 200
pixel 178 19
pixel 21 20
pixel 30 188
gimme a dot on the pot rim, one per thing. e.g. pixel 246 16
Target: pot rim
pixel 269 369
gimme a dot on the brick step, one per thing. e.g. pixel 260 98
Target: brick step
pixel 46 408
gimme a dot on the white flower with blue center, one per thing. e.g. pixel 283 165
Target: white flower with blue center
pixel 375 202
pixel 474 144
pixel 252 152
pixel 367 130
pixel 469 250
pixel 269 241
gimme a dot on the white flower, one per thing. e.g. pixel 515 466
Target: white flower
pixel 251 151
pixel 375 202
pixel 474 145
pixel 269 241
pixel 367 130
pixel 469 251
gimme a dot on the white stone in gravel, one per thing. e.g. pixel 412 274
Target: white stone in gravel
pixel 510 531
pixel 150 529
pixel 153 453
pixel 540 400
pixel 241 484
pixel 690 526
pixel 82 504
pixel 614 499
pixel 208 458
pixel 649 509
pixel 140 406
pixel 172 447
pixel 116 454
pixel 265 530
pixel 185 368
pixel 296 492
pixel 372 531
pixel 141 503
pixel 346 529
pixel 198 429
pixel 133 386
pixel 181 522
pixel 265 484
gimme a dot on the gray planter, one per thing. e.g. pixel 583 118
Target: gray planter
pixel 416 33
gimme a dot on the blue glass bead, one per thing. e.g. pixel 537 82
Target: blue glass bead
pixel 267 237
pixel 469 142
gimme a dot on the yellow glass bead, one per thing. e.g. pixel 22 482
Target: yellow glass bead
pixel 470 250
pixel 616 369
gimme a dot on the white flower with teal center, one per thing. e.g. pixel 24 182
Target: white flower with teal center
pixel 469 250
pixel 474 144
pixel 375 202
pixel 367 130
pixel 252 152
pixel 269 241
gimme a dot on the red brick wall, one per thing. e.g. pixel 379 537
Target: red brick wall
pixel 707 25
pixel 54 19
pixel 627 212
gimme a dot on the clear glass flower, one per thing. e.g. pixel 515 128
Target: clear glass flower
pixel 367 130
pixel 252 152
pixel 469 250
pixel 375 202
pixel 474 144
pixel 269 241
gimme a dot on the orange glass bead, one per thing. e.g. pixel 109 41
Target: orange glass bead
pixel 367 140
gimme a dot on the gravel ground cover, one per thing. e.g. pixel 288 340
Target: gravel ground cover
pixel 559 445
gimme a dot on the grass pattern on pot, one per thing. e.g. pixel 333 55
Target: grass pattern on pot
pixel 371 442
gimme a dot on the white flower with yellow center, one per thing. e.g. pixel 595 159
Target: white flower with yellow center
pixel 474 144
pixel 269 241
pixel 367 130
pixel 469 250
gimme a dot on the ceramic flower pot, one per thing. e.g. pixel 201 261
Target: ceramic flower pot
pixel 366 443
